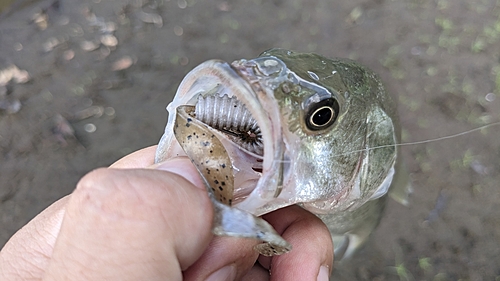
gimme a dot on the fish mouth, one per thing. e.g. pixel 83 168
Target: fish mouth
pixel 235 104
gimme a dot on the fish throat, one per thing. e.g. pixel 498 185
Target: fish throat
pixel 231 117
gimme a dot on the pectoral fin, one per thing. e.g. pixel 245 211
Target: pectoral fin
pixel 401 185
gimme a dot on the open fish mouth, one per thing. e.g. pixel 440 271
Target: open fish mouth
pixel 236 103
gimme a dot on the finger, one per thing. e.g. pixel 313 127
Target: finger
pixel 312 253
pixel 226 258
pixel 139 159
pixel 131 225
pixel 144 158
pixel 181 166
pixel 27 253
pixel 256 273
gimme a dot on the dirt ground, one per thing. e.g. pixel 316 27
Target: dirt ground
pixel 93 79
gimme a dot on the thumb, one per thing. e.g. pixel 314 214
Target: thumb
pixel 142 224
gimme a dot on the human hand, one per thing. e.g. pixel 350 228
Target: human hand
pixel 128 222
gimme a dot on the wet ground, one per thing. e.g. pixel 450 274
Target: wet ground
pixel 83 83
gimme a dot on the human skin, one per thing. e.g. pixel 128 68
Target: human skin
pixel 142 221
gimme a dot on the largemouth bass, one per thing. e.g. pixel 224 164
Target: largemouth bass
pixel 288 128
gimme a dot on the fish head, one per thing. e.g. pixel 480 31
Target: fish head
pixel 322 133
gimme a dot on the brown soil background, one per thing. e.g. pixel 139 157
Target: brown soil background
pixel 439 59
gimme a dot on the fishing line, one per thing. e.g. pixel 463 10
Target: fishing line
pixel 410 143
pixel 422 141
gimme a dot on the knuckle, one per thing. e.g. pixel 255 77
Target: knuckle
pixel 98 188
pixel 94 179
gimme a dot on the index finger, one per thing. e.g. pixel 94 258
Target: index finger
pixel 312 255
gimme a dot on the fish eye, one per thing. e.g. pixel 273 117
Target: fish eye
pixel 322 114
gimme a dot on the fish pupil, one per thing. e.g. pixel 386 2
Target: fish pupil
pixel 322 116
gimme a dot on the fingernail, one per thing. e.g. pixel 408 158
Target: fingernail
pixel 227 273
pixel 183 167
pixel 324 274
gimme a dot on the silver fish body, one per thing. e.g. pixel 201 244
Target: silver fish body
pixel 291 128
